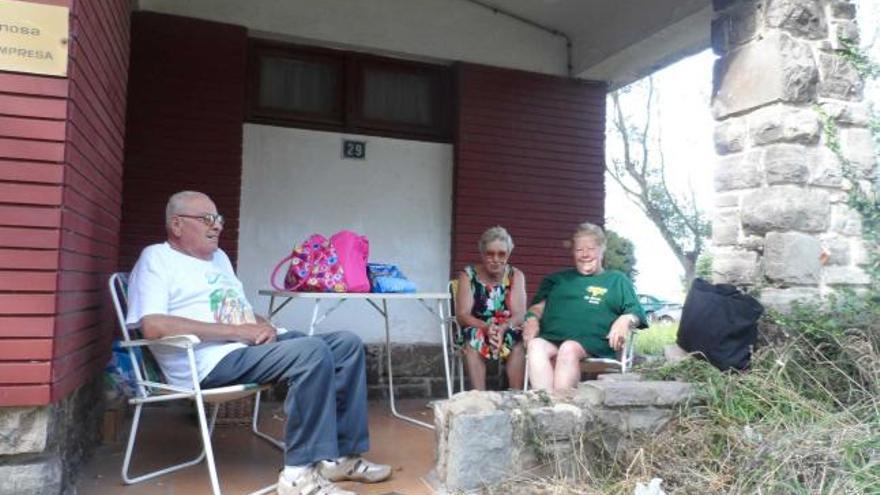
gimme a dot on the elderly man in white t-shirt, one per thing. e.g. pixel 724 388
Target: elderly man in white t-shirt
pixel 187 286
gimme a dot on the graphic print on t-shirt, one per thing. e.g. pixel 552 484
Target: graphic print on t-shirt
pixel 227 303
pixel 595 294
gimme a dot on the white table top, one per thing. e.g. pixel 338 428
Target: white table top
pixel 354 295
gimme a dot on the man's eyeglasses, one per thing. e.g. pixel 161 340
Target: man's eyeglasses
pixel 496 254
pixel 209 219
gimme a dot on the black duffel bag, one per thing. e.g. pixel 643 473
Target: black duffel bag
pixel 719 322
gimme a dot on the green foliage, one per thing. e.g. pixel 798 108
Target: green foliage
pixel 620 254
pixel 863 64
pixel 651 341
pixel 704 266
pixel 861 198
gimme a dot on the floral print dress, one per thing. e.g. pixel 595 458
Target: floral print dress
pixel 492 305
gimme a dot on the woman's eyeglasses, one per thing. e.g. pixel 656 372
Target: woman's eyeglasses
pixel 496 254
pixel 209 219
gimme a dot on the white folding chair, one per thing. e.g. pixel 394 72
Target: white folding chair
pixel 456 351
pixel 150 391
pixel 623 363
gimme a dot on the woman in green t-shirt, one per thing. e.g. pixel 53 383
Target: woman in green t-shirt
pixel 579 312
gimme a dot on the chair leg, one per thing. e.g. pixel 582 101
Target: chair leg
pixel 255 425
pixel 526 375
pixel 453 369
pixel 206 429
pixel 460 373
pixel 457 370
pixel 629 349
pixel 129 449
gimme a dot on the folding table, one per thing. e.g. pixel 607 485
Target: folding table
pixel 279 299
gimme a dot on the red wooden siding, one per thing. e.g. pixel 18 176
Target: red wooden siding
pixel 185 115
pixel 60 199
pixel 529 155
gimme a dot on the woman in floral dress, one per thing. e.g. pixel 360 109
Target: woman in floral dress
pixel 490 304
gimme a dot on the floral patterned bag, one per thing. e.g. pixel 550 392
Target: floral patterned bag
pixel 314 267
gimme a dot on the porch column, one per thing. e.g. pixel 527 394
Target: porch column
pixel 782 222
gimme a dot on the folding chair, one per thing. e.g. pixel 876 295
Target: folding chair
pixel 456 346
pixel 149 391
pixel 623 363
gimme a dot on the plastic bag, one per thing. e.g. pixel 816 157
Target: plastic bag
pixel 387 278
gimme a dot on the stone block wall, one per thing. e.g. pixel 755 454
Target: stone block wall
pixel 486 438
pixel 42 447
pixel 782 222
pixel 418 371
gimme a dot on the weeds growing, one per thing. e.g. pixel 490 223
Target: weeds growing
pixel 651 341
pixel 805 418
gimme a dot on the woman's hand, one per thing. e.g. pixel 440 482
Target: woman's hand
pixel 619 332
pixel 496 337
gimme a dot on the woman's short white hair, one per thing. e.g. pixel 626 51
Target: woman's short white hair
pixel 588 229
pixel 176 203
pixel 496 233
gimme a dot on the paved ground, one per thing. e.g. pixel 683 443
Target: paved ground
pixel 246 463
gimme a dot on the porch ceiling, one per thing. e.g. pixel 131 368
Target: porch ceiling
pixel 620 40
pixel 611 40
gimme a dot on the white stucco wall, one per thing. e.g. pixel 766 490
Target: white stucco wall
pixel 448 30
pixel 295 183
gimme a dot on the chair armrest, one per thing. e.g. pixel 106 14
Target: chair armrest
pixel 182 341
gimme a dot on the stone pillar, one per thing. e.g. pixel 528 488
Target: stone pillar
pixel 782 222
pixel 42 447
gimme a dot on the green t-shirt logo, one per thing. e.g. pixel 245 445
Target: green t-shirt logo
pixel 595 294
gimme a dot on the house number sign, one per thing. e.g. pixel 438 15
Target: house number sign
pixel 354 149
pixel 33 38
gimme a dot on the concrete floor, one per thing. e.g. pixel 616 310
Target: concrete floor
pixel 246 463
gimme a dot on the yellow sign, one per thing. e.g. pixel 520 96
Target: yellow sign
pixel 33 38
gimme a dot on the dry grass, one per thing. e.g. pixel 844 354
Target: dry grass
pixel 804 419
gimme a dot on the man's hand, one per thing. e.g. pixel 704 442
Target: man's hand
pixel 619 332
pixel 531 328
pixel 256 333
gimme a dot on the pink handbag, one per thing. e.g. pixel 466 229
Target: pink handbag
pixel 353 250
pixel 321 265
pixel 314 267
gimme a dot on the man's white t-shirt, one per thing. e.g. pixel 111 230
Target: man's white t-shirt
pixel 168 282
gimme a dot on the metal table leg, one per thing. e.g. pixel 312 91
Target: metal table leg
pixel 391 399
pixel 315 310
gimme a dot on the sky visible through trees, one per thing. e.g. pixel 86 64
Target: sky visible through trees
pixel 684 120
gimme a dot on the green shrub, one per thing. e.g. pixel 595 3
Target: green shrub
pixel 620 254
pixel 651 341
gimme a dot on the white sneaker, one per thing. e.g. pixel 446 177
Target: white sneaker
pixel 309 483
pixel 354 468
